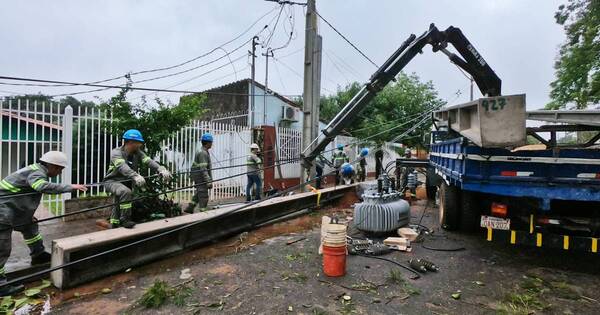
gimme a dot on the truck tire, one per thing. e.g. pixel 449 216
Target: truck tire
pixel 449 206
pixel 470 215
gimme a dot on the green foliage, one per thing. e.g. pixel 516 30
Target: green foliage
pixel 577 81
pixel 395 105
pixel 331 105
pixel 156 295
pixel 157 123
pixel 155 202
pixel 161 292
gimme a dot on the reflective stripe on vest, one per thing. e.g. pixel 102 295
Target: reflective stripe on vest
pixel 8 186
pixel 38 183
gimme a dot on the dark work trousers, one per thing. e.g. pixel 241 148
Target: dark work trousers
pixel 253 179
pixel 319 174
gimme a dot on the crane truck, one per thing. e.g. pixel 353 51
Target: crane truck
pixel 480 168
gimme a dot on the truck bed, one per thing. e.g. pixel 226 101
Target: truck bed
pixel 558 174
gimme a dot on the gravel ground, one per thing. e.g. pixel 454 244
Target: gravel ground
pixel 259 273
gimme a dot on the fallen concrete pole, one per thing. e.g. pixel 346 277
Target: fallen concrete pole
pixel 210 227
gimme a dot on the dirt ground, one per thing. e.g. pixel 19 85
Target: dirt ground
pixel 260 273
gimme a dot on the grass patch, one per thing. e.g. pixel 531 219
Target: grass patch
pixel 294 276
pixel 161 292
pixel 395 277
pixel 156 295
pixel 527 298
pixel 296 256
pixel 348 307
pixel 564 290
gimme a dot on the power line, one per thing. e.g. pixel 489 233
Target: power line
pixel 161 76
pixel 268 41
pixel 348 81
pixel 176 65
pixel 344 63
pixel 131 88
pixel 202 84
pixel 347 40
pixel 292 53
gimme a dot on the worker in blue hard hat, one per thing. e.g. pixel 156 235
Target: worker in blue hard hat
pixel 362 165
pixel 123 173
pixel 347 171
pixel 339 158
pixel 201 174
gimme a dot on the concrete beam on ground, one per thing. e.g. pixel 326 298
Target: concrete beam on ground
pixel 211 225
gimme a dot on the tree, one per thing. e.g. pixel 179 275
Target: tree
pixel 156 123
pixel 578 66
pixel 395 106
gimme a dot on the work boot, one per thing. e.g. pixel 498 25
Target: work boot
pixel 190 208
pixel 127 224
pixel 11 290
pixel 41 258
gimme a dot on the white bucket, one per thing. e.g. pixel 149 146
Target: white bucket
pixel 334 235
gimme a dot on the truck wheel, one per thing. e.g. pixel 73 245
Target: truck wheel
pixel 470 216
pixel 449 206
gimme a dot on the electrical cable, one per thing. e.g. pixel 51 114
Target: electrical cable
pixel 166 75
pixel 167 232
pixel 195 86
pixel 347 40
pixel 206 73
pixel 144 197
pixel 177 65
pixel 134 88
pixel 416 274
pixel 268 41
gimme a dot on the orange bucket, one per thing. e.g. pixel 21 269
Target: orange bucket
pixel 334 261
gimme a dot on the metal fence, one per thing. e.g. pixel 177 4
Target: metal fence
pixel 228 156
pixel 29 128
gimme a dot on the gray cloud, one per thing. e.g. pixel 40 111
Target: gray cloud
pixel 90 40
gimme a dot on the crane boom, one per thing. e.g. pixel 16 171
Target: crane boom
pixel 473 63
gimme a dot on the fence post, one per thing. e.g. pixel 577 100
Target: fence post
pixel 67 145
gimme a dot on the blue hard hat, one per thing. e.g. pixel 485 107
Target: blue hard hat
pixel 340 147
pixel 364 152
pixel 207 137
pixel 347 169
pixel 133 134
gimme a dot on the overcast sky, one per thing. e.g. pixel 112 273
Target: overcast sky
pixel 83 41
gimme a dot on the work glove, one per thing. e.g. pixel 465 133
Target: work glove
pixel 165 174
pixel 139 180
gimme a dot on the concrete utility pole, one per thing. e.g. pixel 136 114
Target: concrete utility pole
pixel 252 84
pixel 471 79
pixel 268 54
pixel 312 82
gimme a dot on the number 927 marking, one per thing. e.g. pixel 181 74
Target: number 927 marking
pixel 494 104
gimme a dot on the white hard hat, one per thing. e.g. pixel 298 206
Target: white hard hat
pixel 254 146
pixel 55 157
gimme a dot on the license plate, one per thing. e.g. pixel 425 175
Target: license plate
pixel 495 223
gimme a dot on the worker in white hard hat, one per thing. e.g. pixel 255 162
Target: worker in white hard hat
pixel 20 195
pixel 254 165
